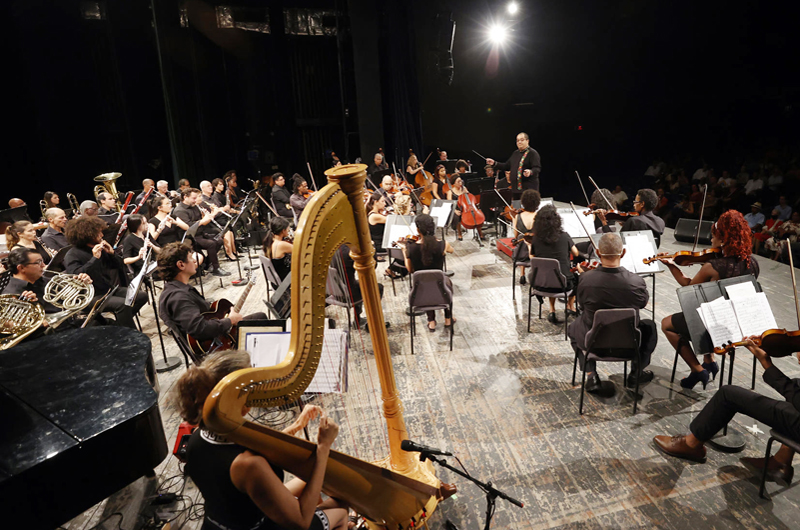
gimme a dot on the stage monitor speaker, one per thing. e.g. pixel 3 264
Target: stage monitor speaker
pixel 686 229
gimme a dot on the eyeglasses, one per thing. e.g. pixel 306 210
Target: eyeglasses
pixel 638 202
pixel 39 261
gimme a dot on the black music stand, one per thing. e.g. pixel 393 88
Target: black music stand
pixel 690 297
pixel 12 215
pixel 57 262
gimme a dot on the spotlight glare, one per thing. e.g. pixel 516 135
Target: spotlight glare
pixel 513 7
pixel 497 34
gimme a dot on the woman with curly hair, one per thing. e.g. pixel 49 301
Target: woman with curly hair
pixel 550 241
pixel 731 234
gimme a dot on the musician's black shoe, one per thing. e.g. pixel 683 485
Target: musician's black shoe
pixel 552 318
pixel 366 326
pixel 645 377
pixel 523 280
pixel 220 273
pixel 593 384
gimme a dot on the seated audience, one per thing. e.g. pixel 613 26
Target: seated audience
pixel 768 231
pixel 784 210
pixel 619 197
pixel 755 219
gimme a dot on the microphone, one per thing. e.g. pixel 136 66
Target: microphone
pixel 413 447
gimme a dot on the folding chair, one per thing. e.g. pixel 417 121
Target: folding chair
pixel 430 291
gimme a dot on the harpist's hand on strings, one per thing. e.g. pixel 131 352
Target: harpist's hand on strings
pixel 328 430
pixel 309 413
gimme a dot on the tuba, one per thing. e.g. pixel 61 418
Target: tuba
pixel 398 489
pixel 109 185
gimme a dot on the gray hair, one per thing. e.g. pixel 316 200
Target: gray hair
pixel 52 213
pixel 610 244
pixel 85 205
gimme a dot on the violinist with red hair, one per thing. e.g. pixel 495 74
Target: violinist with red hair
pixel 730 234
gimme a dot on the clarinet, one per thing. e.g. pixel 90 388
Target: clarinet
pixel 204 212
pixel 47 249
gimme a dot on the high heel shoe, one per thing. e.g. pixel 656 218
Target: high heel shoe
pixel 694 378
pixel 712 368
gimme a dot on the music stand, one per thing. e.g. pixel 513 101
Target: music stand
pixel 449 165
pixel 281 302
pixel 12 215
pixel 57 262
pixel 377 176
pixel 690 297
pixel 444 217
pixel 397 226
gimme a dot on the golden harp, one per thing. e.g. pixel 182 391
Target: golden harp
pixel 388 493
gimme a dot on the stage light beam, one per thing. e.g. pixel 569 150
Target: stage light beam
pixel 512 8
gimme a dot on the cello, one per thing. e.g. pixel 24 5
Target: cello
pixel 423 180
pixel 471 215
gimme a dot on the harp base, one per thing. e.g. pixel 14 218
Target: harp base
pixel 423 472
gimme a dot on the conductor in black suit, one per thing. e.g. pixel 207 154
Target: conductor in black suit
pixel 611 287
pixel 525 164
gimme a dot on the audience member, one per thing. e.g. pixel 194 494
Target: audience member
pixel 620 196
pixel 755 219
pixel 754 185
pixel 784 210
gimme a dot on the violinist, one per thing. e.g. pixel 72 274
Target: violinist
pixel 402 204
pixel 387 184
pixel 439 182
pixel 731 235
pixel 611 287
pixel 376 217
pixel 550 241
pixel 428 254
pixel 729 400
pixel 457 190
pixel 280 196
pixel 523 224
pixel 277 247
pixel 646 200
pixel 300 195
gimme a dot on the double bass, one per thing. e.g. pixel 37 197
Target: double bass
pixel 423 180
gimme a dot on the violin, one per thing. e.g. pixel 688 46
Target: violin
pixel 612 215
pixel 527 237
pixel 406 239
pixel 776 342
pixel 510 211
pixel 585 266
pixel 308 194
pixel 686 257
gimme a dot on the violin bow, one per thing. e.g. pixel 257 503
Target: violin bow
pixel 268 204
pixel 700 222
pixel 584 229
pixel 410 187
pixel 601 193
pixel 310 174
pixel 583 189
pixel 794 282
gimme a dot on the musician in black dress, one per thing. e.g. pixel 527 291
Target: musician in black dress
pixel 241 489
pixel 523 224
pixel 133 249
pixel 281 196
pixel 525 164
pixel 93 255
pixel 428 254
pixel 646 200
pixel 439 182
pixel 731 233
pixel 277 248
pixel 550 241
pixel 181 306
pixel 22 234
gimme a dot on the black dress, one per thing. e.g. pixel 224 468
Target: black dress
pixel 131 247
pixel 559 250
pixel 170 234
pixel 414 254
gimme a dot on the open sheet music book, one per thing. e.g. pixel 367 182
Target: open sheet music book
pixel 270 348
pixel 442 213
pixel 638 248
pixel 745 313
pixel 571 223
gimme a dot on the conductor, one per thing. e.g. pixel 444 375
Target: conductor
pixel 524 165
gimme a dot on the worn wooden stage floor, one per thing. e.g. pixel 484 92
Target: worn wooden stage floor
pixel 502 401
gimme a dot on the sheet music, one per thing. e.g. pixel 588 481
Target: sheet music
pixel 720 321
pixel 740 290
pixel 331 375
pixel 754 314
pixel 270 349
pixel 545 202
pixel 627 261
pixel 571 223
pixel 441 213
pixel 396 231
pixel 639 248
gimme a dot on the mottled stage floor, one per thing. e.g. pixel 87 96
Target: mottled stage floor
pixel 503 402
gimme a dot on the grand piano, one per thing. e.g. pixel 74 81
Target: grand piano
pixel 79 420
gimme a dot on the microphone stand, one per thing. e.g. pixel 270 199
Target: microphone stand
pixel 492 493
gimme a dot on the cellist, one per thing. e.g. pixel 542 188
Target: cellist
pixel 456 190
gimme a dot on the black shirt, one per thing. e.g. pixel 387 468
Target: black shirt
pixel 37 247
pixel 208 461
pixel 558 250
pixel 606 288
pixel 280 199
pixel 181 307
pixel 414 254
pixel 533 162
pixel 169 234
pixel 189 215
pixel 643 221
pixel 106 272
pixel 131 247
pixel 54 239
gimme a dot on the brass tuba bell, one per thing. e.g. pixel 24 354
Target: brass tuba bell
pixel 109 185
